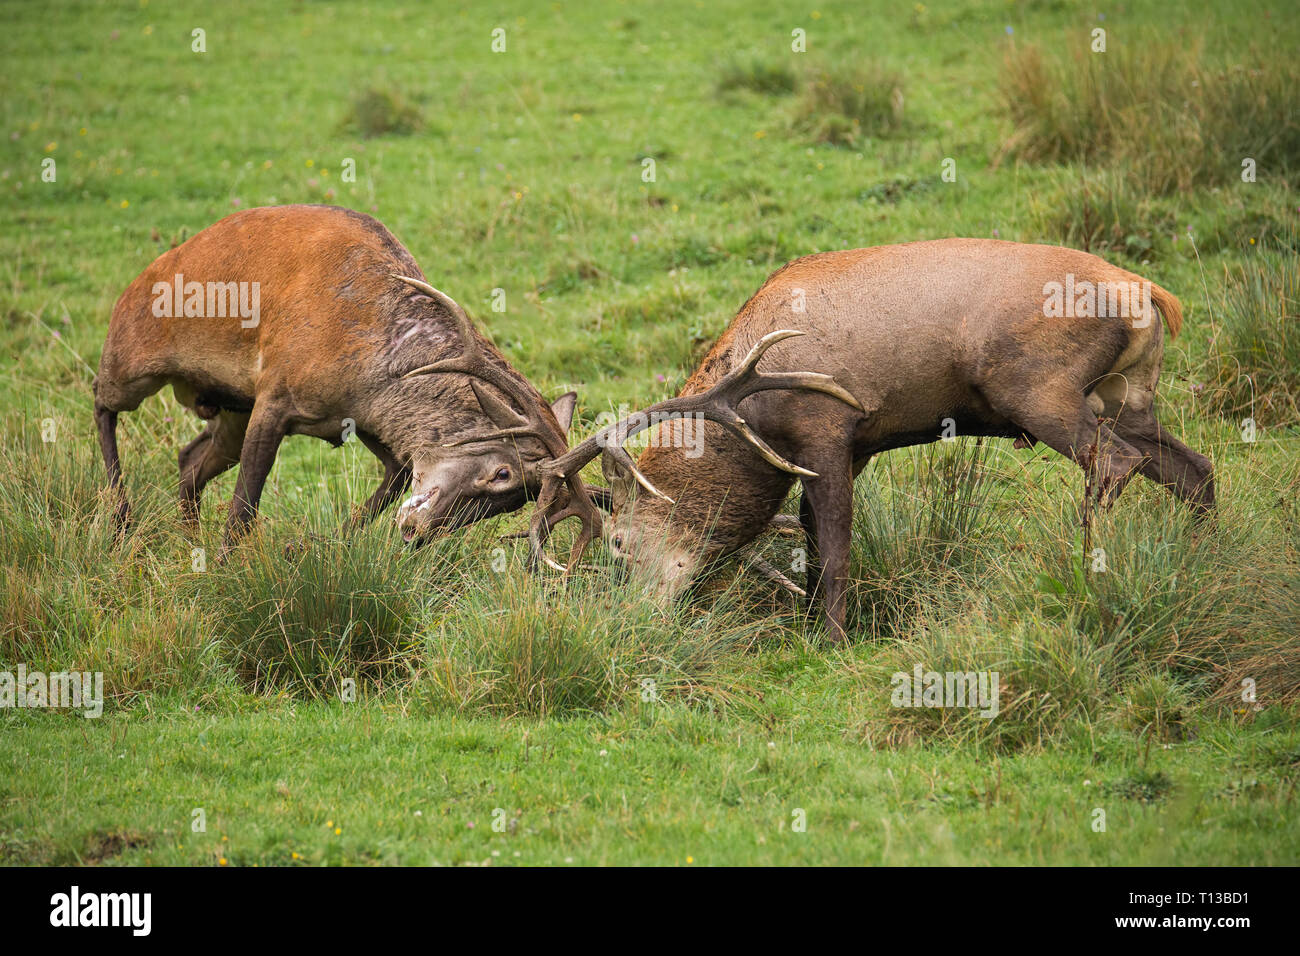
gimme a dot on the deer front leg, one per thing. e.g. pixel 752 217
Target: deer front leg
pixel 812 558
pixel 397 478
pixel 830 498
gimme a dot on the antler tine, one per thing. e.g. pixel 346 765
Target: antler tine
pixel 785 524
pixel 719 403
pixel 551 510
pixel 745 379
pixel 474 363
pixel 773 574
pixel 619 455
pixel 470 359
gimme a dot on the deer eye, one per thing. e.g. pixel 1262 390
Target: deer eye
pixel 503 474
pixel 618 542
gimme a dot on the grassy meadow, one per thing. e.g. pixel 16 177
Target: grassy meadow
pixel 625 176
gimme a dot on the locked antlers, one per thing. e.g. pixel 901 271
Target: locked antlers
pixel 563 495
pixel 717 404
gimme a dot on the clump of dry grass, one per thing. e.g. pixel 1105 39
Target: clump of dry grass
pixel 1252 367
pixel 844 106
pixel 1157 108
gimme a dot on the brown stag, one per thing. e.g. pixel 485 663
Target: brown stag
pixel 954 336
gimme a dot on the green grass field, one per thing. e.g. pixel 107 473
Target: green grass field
pixel 505 718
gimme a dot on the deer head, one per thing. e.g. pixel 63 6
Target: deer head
pixel 665 556
pixel 456 483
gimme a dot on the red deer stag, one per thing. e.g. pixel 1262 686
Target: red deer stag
pixel 314 320
pixel 981 337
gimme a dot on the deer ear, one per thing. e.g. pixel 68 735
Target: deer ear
pixel 563 408
pixel 502 415
pixel 622 484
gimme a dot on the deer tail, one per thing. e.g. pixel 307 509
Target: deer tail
pixel 1169 307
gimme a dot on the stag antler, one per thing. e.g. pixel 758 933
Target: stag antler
pixel 717 404
pixel 472 362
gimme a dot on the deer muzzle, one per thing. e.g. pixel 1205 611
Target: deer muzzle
pixel 416 515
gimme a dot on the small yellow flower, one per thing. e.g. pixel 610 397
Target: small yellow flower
pixel 329 823
pixel 125 203
pixel 222 861
pixel 295 856
pixel 311 163
pixel 760 134
pixel 83 131
pixel 267 164
pixel 577 117
pixel 690 859
pixel 148 30
pixel 338 830
pixel 816 15
pixel 51 147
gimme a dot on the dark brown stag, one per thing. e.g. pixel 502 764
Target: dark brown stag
pixel 314 320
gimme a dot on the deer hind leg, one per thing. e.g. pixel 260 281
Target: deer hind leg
pixel 213 452
pixel 1186 473
pixel 1067 423
pixel 111 399
pixel 106 423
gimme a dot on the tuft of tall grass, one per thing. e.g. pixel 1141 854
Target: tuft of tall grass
pixel 522 645
pixel 1252 367
pixel 918 518
pixel 1156 705
pixel 1161 618
pixel 846 105
pixel 76 596
pixel 1050 675
pixel 381 112
pixel 51 515
pixel 1162 590
pixel 1157 108
pixel 305 618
